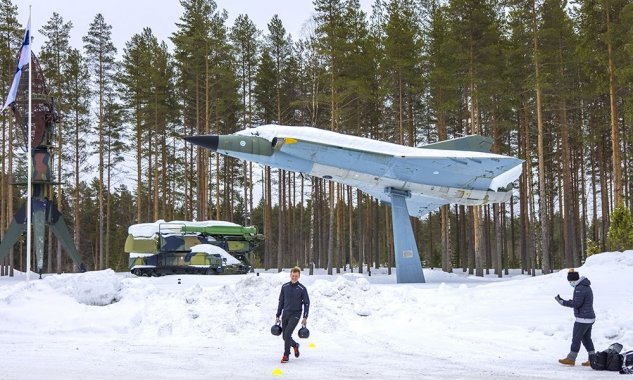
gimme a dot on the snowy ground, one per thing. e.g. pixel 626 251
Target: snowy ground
pixel 106 325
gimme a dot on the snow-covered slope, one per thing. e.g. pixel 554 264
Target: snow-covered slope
pixel 104 325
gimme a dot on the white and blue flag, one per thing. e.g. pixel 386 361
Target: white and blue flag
pixel 25 59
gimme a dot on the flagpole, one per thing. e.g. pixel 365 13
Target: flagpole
pixel 30 166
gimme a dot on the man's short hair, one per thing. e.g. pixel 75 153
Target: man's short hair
pixel 295 270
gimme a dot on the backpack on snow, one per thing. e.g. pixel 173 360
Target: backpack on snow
pixel 614 361
pixel 598 360
pixel 627 363
pixel 609 359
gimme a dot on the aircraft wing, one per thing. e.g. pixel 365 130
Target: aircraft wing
pixel 418 204
pixel 424 167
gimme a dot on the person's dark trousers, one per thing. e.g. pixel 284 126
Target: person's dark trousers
pixel 582 333
pixel 289 323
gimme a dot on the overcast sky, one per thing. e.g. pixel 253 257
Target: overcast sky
pixel 129 17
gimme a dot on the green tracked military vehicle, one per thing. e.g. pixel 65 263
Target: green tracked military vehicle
pixel 210 247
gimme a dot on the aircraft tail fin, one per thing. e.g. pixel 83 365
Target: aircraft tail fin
pixel 472 143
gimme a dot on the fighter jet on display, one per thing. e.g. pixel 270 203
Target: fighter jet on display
pixel 415 181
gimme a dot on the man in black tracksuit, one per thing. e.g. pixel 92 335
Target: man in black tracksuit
pixel 582 303
pixel 292 298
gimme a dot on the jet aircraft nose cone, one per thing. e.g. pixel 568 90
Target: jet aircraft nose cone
pixel 206 141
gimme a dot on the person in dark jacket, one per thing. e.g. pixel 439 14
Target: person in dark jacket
pixel 585 317
pixel 292 298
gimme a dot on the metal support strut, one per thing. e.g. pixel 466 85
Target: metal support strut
pixel 408 265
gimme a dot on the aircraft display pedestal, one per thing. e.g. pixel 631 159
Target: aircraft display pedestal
pixel 408 265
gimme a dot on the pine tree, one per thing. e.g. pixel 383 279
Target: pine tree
pixel 135 94
pixel 244 36
pixel 101 57
pixel 53 58
pixel 147 80
pixel 265 95
pixel 191 51
pixel 209 91
pixel 77 121
pixel 538 90
pixel 557 42
pixel 166 120
pixel 444 99
pixel 265 89
pixel 124 213
pixel 403 53
pixel 114 140
pixel 626 85
pixel 620 236
pixel 331 42
pixel 279 45
pixel 477 32
pixel 519 55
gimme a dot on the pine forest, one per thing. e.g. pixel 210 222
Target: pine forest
pixel 550 81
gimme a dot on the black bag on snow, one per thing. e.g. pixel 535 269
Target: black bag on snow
pixel 609 359
pixel 614 361
pixel 599 360
pixel 627 363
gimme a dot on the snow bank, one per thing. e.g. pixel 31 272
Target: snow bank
pixel 460 322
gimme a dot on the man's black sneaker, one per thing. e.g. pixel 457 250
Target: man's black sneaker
pixel 284 359
pixel 296 350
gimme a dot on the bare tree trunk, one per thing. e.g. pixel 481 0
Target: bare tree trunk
pixel 58 256
pixel 568 211
pixel 339 230
pixel 471 241
pixel 350 233
pixel 155 197
pixel 3 181
pixel 400 111
pixel 268 215
pixel 280 223
pixel 615 131
pixel 317 191
pixel 604 195
pixel 541 151
pixel 3 191
pixel 77 197
pixel 302 234
pixel 361 242
pixel 101 168
pixel 485 237
pixel 498 240
pixel 527 245
pixel 390 243
pixel 108 203
pixel 330 242
pixel 583 202
pixel 447 265
pixel 463 241
pixel 594 196
pixel 139 164
pixel 290 233
pixel 9 191
pixel 312 230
